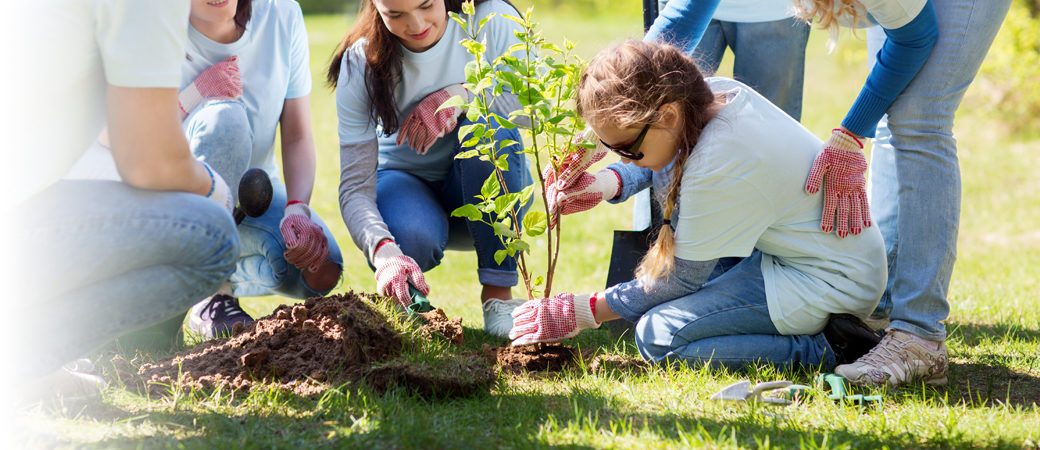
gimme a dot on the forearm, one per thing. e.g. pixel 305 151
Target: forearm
pixel 357 195
pixel 633 179
pixel 298 168
pixel 682 23
pixel 632 299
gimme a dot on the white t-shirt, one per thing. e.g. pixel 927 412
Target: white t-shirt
pixel 67 51
pixel 743 188
pixel 274 59
pixel 422 74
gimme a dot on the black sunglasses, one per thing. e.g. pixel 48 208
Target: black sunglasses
pixel 630 151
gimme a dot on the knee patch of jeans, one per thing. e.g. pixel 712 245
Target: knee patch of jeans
pixel 650 335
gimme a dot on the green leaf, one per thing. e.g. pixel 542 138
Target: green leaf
pixel 454 102
pixel 480 25
pixel 468 211
pixel 535 223
pixel 501 163
pixel 539 280
pixel 473 128
pixel 503 229
pixel 505 202
pixel 525 195
pixel 474 47
pixel 466 154
pixel 491 187
pixel 500 255
pixel 473 114
pixel 519 245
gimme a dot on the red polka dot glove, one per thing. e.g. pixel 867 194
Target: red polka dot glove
pixel 394 271
pixel 552 319
pixel 578 161
pixel 583 193
pixel 221 80
pixel 306 246
pixel 840 168
pixel 425 124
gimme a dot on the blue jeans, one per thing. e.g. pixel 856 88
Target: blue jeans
pixel 418 212
pixel 915 187
pixel 98 259
pixel 726 324
pixel 219 133
pixel 768 56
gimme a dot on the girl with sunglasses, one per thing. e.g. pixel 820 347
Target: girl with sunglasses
pixel 741 273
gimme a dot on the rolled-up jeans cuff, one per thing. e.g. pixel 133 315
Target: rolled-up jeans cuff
pixel 498 277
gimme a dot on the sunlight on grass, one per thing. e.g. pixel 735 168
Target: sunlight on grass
pixel 994 325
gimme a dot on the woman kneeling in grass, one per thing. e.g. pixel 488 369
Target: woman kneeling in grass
pixel 741 272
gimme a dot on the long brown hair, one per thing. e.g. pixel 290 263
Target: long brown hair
pixel 243 11
pixel 383 55
pixel 624 86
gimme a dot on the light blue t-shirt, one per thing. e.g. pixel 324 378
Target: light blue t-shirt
pixel 68 50
pixel 743 188
pixel 273 57
pixel 422 74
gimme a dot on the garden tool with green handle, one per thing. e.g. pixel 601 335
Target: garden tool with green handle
pixel 841 391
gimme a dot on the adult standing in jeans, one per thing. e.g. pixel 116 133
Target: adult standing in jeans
pixel 90 260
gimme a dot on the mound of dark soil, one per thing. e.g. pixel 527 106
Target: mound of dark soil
pixel 308 348
pixel 532 357
pixel 437 321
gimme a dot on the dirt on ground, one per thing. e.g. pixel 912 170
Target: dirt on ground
pixel 307 348
pixel 328 341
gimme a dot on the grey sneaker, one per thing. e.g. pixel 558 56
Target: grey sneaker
pixel 898 359
pixel 217 316
pixel 498 319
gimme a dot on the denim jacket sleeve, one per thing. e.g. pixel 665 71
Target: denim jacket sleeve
pixel 632 299
pixel 682 23
pixel 901 57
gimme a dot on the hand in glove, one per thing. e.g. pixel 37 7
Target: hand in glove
pixel 394 271
pixel 552 319
pixel 578 161
pixel 840 168
pixel 221 80
pixel 306 246
pixel 584 192
pixel 425 124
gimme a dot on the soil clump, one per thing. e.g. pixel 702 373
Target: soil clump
pixel 545 357
pixel 308 348
pixel 437 321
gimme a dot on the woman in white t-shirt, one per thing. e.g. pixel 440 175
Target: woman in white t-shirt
pixel 399 179
pixel 741 272
pixel 288 250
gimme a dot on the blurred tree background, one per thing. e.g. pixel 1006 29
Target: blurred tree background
pixel 1008 81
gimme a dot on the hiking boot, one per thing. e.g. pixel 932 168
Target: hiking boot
pixel 849 337
pixel 498 318
pixel 216 316
pixel 900 358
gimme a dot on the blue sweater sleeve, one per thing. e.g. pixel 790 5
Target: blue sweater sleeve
pixel 682 23
pixel 631 299
pixel 900 58
pixel 633 179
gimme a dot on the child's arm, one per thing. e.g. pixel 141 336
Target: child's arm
pixel 632 299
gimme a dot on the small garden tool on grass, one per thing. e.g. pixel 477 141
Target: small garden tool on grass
pixel 841 391
pixel 780 392
pixel 420 304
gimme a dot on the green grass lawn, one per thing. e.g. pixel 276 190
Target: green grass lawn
pixel 994 326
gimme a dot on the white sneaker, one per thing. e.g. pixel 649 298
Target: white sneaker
pixel 498 319
pixel 64 384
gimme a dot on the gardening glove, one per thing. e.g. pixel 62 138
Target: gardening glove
pixel 840 169
pixel 394 271
pixel 219 190
pixel 552 319
pixel 574 165
pixel 584 192
pixel 425 124
pixel 221 80
pixel 306 246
